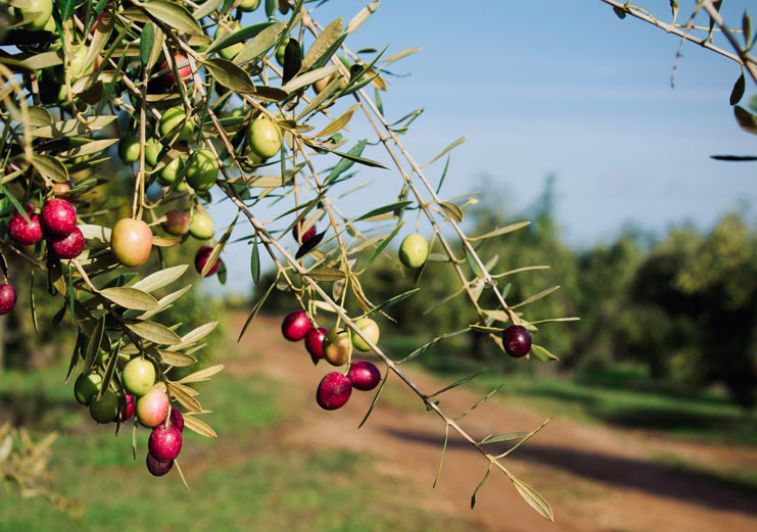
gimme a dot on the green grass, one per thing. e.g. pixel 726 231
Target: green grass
pixel 621 397
pixel 244 480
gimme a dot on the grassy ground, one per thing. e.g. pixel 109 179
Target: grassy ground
pixel 621 397
pixel 243 480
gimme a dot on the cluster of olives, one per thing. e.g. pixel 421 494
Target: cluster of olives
pixel 336 348
pixel 193 168
pixel 144 397
pixel 57 223
pixel 194 172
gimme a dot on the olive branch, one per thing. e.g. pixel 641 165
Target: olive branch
pixel 116 316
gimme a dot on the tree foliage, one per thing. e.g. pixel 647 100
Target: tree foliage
pixel 205 102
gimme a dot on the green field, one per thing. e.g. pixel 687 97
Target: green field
pixel 248 479
pixel 243 480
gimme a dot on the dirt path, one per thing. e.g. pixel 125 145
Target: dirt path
pixel 597 478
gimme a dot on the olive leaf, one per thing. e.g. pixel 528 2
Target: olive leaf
pixel 338 123
pixel 130 298
pixel 200 427
pixel 323 43
pixel 362 16
pixel 176 358
pixel 154 332
pixel 265 39
pixel 171 13
pixel 542 353
pixel 326 274
pixel 534 499
pixel 230 75
pixel 161 278
pixel 202 375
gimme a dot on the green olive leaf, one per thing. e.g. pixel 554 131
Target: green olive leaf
pixel 322 44
pixel 172 14
pixel 230 75
pixel 161 278
pixel 154 332
pixel 130 298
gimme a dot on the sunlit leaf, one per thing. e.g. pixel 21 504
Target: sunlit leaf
pixel 261 43
pixel 130 298
pixel 177 358
pixel 154 332
pixel 500 231
pixel 200 427
pixel 338 123
pixel 322 43
pixel 534 499
pixel 446 150
pixel 202 375
pixel 161 278
pixel 542 353
pixel 326 274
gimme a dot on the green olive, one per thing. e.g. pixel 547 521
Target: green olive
pixel 201 226
pixel 86 386
pixel 202 170
pixel 106 409
pixel 172 171
pixel 264 137
pixel 369 328
pixel 414 251
pixel 174 122
pixel 153 147
pixel 248 5
pixel 281 51
pixel 128 150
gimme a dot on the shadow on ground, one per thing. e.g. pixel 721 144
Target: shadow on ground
pixel 655 478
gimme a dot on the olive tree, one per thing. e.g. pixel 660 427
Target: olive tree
pixel 249 104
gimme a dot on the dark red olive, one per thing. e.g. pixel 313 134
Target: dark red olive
pixel 177 419
pixel 128 406
pixel 295 326
pixel 307 235
pixel 58 217
pixel 364 375
pixel 24 232
pixel 517 341
pixel 69 246
pixel 314 343
pixel 183 68
pixel 164 443
pixel 334 391
pixel 156 467
pixel 7 298
pixel 201 259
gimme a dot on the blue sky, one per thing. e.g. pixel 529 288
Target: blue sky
pixel 555 87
